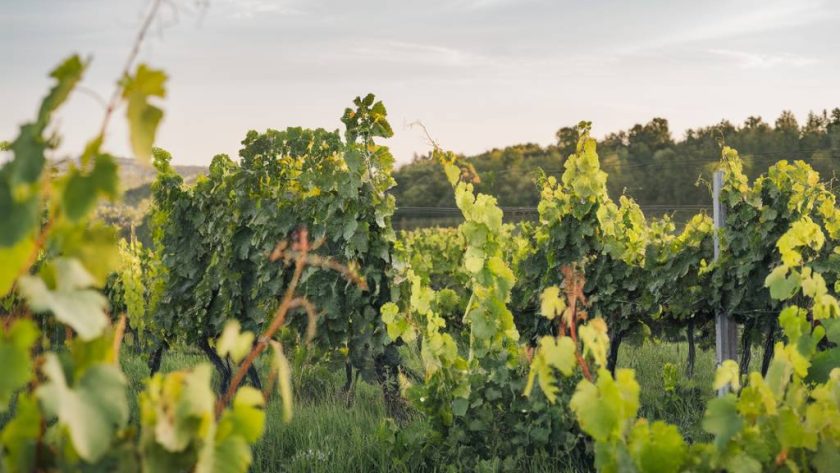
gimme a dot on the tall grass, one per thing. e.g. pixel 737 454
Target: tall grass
pixel 330 432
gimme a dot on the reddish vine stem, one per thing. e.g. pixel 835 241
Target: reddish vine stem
pixel 132 56
pixel 289 302
pixel 573 293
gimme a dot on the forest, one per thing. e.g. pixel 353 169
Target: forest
pixel 663 174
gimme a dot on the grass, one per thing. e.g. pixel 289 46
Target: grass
pixel 330 434
pixel 326 434
pixel 685 406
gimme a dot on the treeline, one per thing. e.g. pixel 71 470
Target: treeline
pixel 645 162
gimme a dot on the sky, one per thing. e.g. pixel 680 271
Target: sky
pixel 478 73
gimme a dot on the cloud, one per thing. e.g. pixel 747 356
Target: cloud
pixel 246 9
pixel 767 16
pixel 751 19
pixel 747 60
pixel 483 4
pixel 416 53
pixel 479 4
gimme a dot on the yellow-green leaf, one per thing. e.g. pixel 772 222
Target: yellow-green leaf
pixel 551 304
pixel 234 343
pixel 284 379
pixel 143 117
pixel 70 302
pixel 727 374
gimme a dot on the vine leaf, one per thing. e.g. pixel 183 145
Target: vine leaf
pixel 657 447
pixel 474 259
pixel 823 363
pixel 186 404
pixel 247 418
pixel 14 258
pixel 143 117
pixel 722 420
pixel 81 190
pixel 396 325
pixel 94 245
pixel 71 303
pixel 727 375
pixel 15 346
pixel 30 145
pixel 551 304
pixel 19 437
pixel 284 378
pixel 92 410
pixel 832 330
pixel 242 424
pixel 233 342
pixel 782 286
pixel 553 353
pixel 20 216
pixel 603 409
pixel 803 233
pixel 19 200
pixel 595 340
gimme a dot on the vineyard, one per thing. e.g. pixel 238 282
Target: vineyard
pixel 277 321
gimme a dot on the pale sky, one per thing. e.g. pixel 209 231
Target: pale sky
pixel 479 73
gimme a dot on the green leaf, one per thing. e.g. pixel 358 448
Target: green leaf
pixel 82 309
pixel 19 436
pixel 241 424
pixel 832 330
pixel 482 323
pixel 827 457
pixel 791 432
pixel 20 216
pixel 822 364
pixel 603 410
pixel 66 75
pixel 143 117
pixel 30 145
pixel 657 448
pixel 552 353
pixel 396 325
pixel 15 258
pixel 782 286
pixel 794 323
pixel 16 344
pixel 247 415
pixel 231 455
pixel 81 190
pixel 459 406
pixel 559 353
pixel 722 420
pixel 92 410
pixel 742 462
pixel 94 245
pixel 177 409
pixel 29 150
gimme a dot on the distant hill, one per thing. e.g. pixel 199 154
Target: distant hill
pixel 131 211
pixel 135 174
